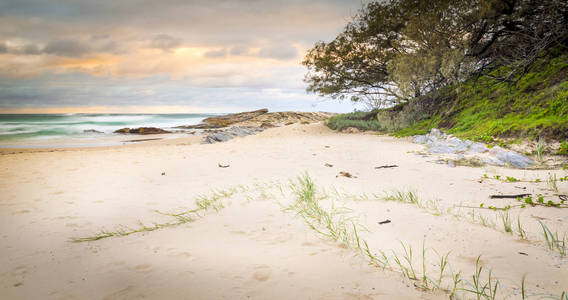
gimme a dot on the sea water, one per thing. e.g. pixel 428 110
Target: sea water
pixel 22 128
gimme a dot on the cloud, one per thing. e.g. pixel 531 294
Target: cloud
pixel 164 42
pixel 67 47
pixel 239 50
pixel 279 52
pixel 216 53
pixel 256 45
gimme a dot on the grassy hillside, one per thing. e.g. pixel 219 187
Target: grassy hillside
pixel 533 106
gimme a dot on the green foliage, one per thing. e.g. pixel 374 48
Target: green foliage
pixel 486 108
pixel 355 119
pixel 563 148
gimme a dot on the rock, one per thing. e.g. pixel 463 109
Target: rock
pixel 435 132
pixel 350 130
pixel 267 125
pixel 442 149
pixel 215 136
pixel 420 139
pixel 438 142
pixel 493 161
pixel 227 120
pixel 122 130
pixel 515 159
pixel 496 150
pixel 91 131
pixel 478 148
pixel 142 130
pixel 260 118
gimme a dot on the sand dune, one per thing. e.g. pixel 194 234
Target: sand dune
pixel 253 247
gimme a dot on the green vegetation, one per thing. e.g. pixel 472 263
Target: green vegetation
pixel 457 65
pixel 535 107
pixel 355 119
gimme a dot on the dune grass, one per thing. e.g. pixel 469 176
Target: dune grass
pixel 213 201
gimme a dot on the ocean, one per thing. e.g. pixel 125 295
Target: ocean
pixel 16 128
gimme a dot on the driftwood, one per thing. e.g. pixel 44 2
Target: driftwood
pixel 509 196
pixel 386 166
pixel 384 222
pixel 345 174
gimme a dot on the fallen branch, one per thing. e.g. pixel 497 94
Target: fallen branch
pixel 386 166
pixel 509 196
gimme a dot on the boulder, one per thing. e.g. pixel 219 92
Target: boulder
pixel 435 132
pixel 420 139
pixel 515 159
pixel 493 161
pixel 478 148
pixel 442 149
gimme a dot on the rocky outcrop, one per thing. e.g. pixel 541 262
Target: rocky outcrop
pixel 438 142
pixel 260 118
pixel 142 130
pixel 224 121
pixel 286 118
pixel 224 135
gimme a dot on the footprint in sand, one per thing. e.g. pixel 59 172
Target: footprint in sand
pixel 180 254
pixel 144 268
pixel 262 273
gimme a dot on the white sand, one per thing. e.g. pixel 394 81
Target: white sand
pixel 251 248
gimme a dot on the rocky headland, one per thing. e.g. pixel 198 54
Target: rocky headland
pixel 224 128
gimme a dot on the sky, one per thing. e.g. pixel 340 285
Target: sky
pixel 168 56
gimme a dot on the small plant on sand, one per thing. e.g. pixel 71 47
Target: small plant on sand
pixel 522 233
pixel 506 219
pixel 553 241
pixel 487 290
pixel 511 179
pixel 552 182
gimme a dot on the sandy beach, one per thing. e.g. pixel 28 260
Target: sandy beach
pixel 252 243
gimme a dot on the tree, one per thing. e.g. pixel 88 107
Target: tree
pixel 396 50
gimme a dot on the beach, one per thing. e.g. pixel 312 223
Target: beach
pixel 251 240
